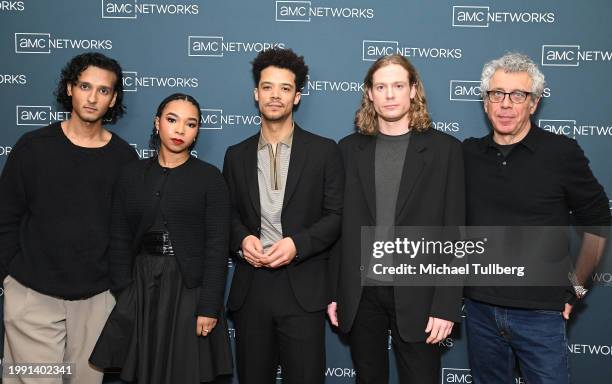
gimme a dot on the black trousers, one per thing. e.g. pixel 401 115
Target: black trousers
pixel 272 329
pixel 418 363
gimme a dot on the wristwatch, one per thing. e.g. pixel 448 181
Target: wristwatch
pixel 579 289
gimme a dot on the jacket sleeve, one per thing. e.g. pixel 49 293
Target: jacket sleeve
pixel 238 231
pixel 216 239
pixel 335 255
pixel 324 232
pixel 446 303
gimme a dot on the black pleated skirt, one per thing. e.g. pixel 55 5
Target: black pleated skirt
pixel 151 333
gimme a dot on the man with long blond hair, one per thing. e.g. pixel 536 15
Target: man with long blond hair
pixel 399 172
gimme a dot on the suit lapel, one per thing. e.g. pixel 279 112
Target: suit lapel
pixel 297 160
pixel 413 166
pixel 250 171
pixel 365 163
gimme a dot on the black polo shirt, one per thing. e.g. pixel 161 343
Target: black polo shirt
pixel 538 183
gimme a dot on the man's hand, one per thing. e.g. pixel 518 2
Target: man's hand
pixel 438 330
pixel 205 325
pixel 280 253
pixel 252 251
pixel 333 313
pixel 567 311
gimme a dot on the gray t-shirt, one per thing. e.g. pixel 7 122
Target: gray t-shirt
pixel 388 166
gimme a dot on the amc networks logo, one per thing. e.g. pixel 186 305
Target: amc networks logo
pixel 483 16
pixel 602 278
pixel 469 90
pixel 13 79
pixel 456 375
pixel 297 11
pixel 470 16
pixel 39 115
pixel 464 376
pixel 130 9
pixel 371 50
pixel 304 11
pixel 17 6
pixel 465 90
pixel 132 81
pixel 43 43
pixel 217 46
pixel 4 151
pixel 215 119
pixel 32 42
pixel 571 55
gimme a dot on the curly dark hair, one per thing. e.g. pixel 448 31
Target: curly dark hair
pixel 281 58
pixel 154 140
pixel 76 66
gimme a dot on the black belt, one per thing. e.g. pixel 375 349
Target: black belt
pixel 157 243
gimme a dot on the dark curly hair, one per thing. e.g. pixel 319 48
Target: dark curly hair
pixel 154 140
pixel 76 66
pixel 281 58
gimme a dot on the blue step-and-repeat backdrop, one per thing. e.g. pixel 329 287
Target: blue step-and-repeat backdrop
pixel 204 48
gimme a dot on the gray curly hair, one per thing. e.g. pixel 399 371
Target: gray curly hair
pixel 513 62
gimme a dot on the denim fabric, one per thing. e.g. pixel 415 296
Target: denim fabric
pixel 501 337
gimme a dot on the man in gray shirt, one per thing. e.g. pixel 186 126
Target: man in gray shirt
pixel 399 172
pixel 286 189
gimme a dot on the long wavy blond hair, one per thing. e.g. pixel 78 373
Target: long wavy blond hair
pixel 366 119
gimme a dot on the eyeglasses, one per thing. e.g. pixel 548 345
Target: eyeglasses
pixel 516 97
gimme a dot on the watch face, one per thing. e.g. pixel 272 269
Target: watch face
pixel 580 291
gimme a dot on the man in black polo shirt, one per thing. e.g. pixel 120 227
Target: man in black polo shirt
pixel 55 199
pixel 521 175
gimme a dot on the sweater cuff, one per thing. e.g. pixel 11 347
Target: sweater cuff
pixel 207 311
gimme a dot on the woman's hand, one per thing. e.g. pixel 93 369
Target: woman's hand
pixel 205 325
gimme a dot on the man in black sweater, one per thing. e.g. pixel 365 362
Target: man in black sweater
pixel 520 175
pixel 55 199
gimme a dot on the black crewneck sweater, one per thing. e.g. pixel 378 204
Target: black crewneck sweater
pixel 55 204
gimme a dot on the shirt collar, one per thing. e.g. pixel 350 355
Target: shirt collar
pixel 530 141
pixel 288 140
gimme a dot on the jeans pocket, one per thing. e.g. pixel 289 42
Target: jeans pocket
pixel 464 307
pixel 548 312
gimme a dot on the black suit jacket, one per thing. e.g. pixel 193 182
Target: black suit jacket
pixel 312 209
pixel 431 193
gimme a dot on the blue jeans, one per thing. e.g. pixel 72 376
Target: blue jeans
pixel 499 337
